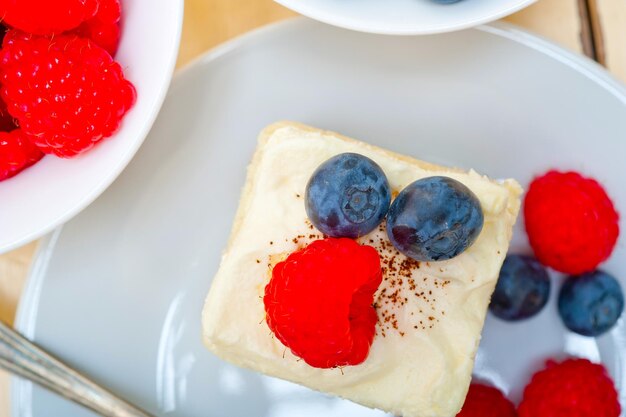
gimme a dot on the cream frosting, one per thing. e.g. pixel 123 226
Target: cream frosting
pixel 430 314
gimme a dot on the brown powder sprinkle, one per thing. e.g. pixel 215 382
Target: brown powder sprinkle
pixel 399 289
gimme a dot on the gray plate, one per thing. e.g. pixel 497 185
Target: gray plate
pixel 118 291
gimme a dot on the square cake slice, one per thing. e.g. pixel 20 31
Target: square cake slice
pixel 430 314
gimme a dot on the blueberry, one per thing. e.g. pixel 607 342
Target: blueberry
pixel 591 303
pixel 434 219
pixel 522 290
pixel 347 196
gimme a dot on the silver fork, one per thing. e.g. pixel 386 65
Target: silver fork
pixel 22 357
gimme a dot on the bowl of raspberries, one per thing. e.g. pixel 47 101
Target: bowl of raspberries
pixel 81 82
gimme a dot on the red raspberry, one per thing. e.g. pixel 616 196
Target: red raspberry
pixel 104 28
pixel 573 388
pixel 319 302
pixel 16 153
pixel 66 92
pixel 485 401
pixel 571 222
pixel 44 17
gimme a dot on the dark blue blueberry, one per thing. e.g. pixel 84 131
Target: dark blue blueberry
pixel 591 303
pixel 434 219
pixel 522 290
pixel 347 196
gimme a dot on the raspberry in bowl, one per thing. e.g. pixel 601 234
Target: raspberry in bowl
pixel 86 131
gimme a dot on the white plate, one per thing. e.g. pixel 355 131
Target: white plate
pixel 54 190
pixel 118 291
pixel 405 17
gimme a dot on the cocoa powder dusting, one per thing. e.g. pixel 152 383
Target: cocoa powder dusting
pixel 399 288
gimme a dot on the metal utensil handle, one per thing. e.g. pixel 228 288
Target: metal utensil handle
pixel 22 357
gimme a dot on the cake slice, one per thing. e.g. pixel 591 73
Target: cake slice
pixel 430 314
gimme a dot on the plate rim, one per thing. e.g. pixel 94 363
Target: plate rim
pixel 26 315
pixel 123 162
pixel 338 20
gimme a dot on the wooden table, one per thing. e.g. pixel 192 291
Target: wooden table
pixel 596 28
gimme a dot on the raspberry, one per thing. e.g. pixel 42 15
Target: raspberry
pixel 16 153
pixel 104 27
pixel 486 401
pixel 66 92
pixel 319 302
pixel 573 388
pixel 44 17
pixel 571 223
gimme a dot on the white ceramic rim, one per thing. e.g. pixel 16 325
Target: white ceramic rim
pixel 127 157
pixel 26 317
pixel 306 9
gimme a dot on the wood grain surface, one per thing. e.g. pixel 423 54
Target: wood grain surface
pixel 594 27
pixel 609 20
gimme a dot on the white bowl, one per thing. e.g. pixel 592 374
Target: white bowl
pixel 54 190
pixel 405 17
